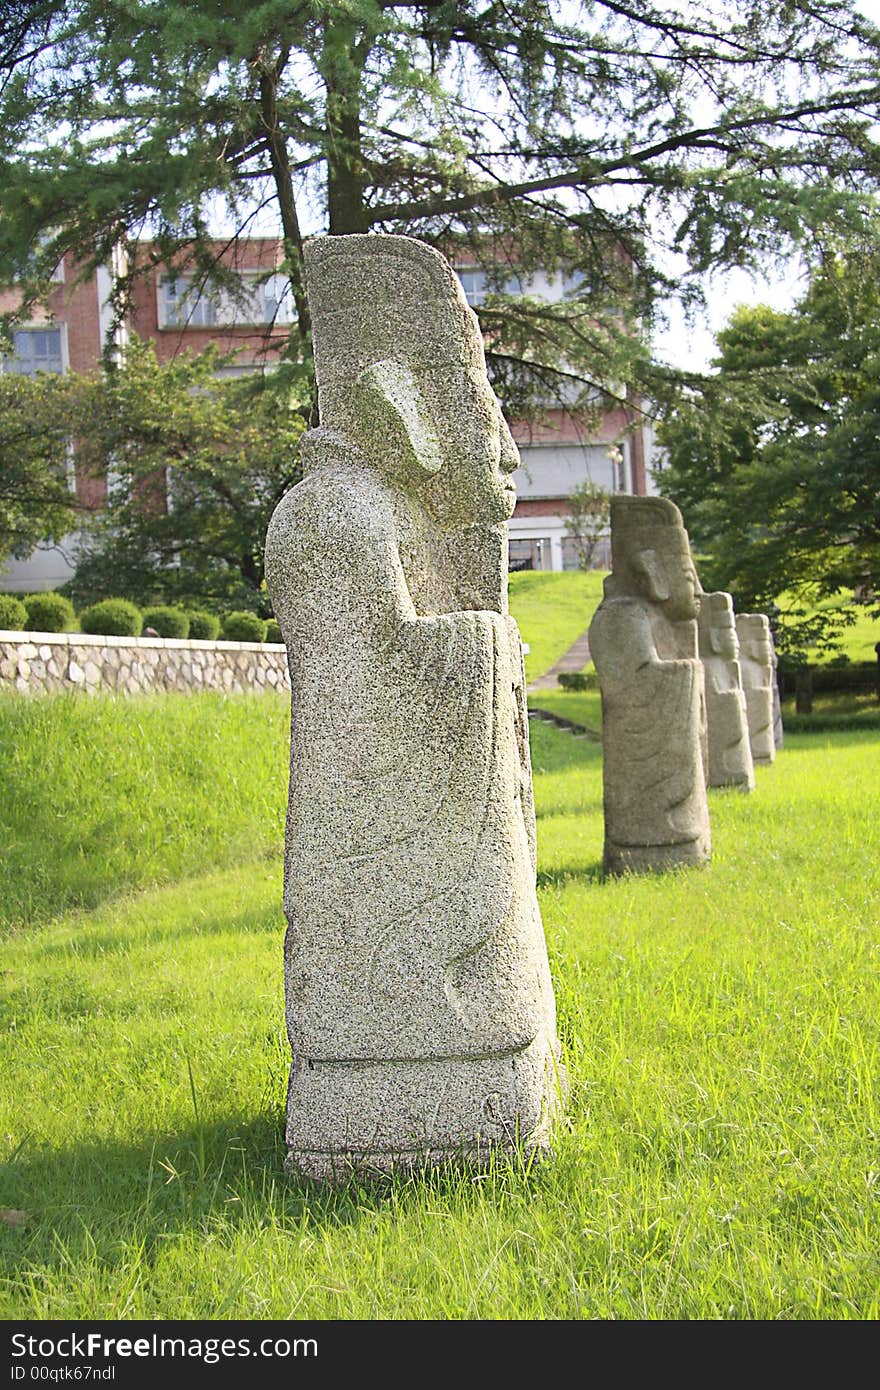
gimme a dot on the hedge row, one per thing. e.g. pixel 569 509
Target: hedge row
pixel 117 617
pixel 852 675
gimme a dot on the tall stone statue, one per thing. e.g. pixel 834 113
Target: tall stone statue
pixel 756 662
pixel 730 754
pixel 419 1001
pixel 643 640
pixel 778 731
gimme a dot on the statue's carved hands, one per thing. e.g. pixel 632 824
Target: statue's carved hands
pixel 479 562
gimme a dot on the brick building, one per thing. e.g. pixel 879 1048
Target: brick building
pixel 179 316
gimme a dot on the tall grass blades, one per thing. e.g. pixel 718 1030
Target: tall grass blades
pixel 718 1154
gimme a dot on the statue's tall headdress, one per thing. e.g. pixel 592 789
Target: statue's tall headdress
pixel 378 298
pixel 639 523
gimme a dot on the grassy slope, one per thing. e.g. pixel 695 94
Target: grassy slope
pixel 721 1030
pixel 98 795
pixel 552 610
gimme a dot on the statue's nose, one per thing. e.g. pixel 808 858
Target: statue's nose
pixel 509 459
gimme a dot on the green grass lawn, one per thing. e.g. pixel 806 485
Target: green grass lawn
pixel 552 610
pixel 721 1027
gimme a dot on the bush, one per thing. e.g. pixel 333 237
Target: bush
pixel 49 612
pixel 579 680
pixel 203 627
pixel 167 621
pixel 244 627
pixel 112 617
pixel 13 614
pixel 839 676
pixel 273 631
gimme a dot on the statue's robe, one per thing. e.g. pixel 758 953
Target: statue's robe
pixel 759 710
pixel 653 737
pixel 414 934
pixel 730 754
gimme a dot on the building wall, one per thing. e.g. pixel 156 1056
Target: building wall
pixel 255 345
pixel 556 452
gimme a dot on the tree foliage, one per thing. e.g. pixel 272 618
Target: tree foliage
pixel 775 458
pixel 595 136
pixel 197 463
pixel 589 508
pixel 36 500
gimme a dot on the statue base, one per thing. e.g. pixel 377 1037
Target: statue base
pixel 368 1117
pixel 648 859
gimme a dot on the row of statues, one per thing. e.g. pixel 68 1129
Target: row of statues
pixel 687 693
pixel 420 1006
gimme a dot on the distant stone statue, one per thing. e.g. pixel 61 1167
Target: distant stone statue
pixel 756 663
pixel 643 640
pixel 778 731
pixel 419 1002
pixel 730 754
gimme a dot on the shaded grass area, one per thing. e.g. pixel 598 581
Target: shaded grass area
pixel 552 610
pixel 718 1154
pixel 834 710
pixel 100 794
pixel 583 706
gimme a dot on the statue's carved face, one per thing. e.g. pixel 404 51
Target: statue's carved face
pixel 722 631
pixel 666 575
pixel 475 484
pixel 756 645
pixel 684 588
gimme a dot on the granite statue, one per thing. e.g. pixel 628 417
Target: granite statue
pixel 730 755
pixel 756 662
pixel 643 640
pixel 420 1005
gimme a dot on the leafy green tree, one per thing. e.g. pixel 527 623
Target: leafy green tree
pixel 595 137
pixel 588 520
pixel 36 500
pixel 196 462
pixel 775 458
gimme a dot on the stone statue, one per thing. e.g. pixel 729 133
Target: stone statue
pixel 756 663
pixel 730 754
pixel 643 640
pixel 778 731
pixel 419 1001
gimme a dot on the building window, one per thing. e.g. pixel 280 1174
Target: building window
pixel 35 350
pixel 477 284
pixel 571 554
pixel 529 554
pixel 182 304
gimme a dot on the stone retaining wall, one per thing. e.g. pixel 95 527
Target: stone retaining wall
pixel 37 663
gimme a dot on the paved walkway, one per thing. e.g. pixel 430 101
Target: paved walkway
pixel 575 659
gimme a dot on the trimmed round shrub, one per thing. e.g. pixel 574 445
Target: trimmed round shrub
pixel 168 621
pixel 203 627
pixel 112 617
pixel 244 627
pixel 49 612
pixel 13 614
pixel 273 631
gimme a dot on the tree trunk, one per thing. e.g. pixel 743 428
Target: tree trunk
pixel 803 690
pixel 342 68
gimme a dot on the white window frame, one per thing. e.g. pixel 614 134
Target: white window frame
pixel 36 327
pixel 181 305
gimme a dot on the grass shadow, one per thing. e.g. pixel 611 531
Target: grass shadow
pixel 229 1172
pixel 101 1200
pixel 561 876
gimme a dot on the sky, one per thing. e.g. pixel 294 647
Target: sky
pixel 691 345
